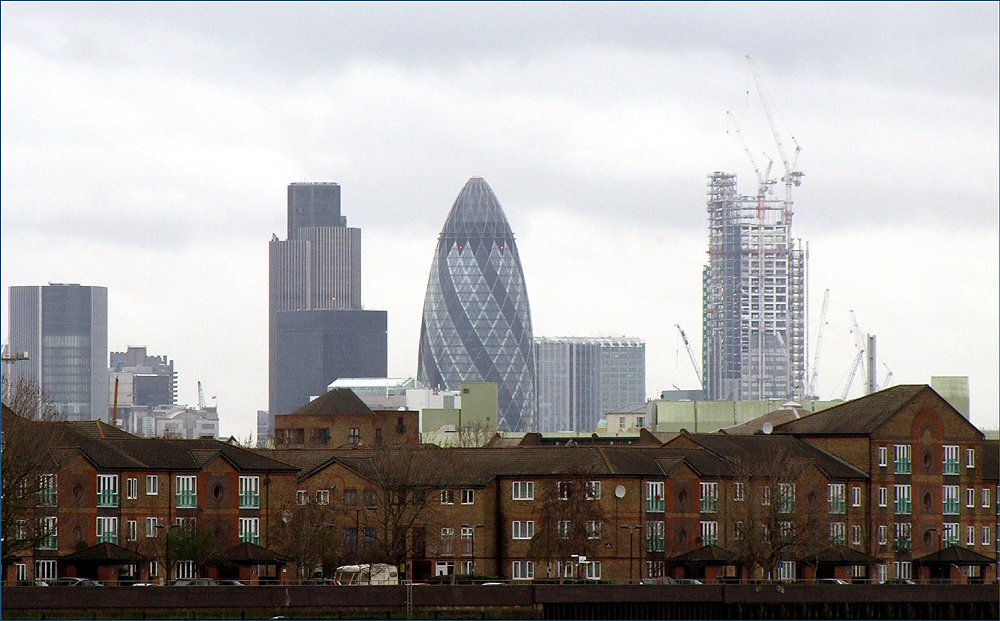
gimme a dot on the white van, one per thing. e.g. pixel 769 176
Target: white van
pixel 377 574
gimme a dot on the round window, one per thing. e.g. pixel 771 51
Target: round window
pixel 927 461
pixel 682 536
pixel 812 498
pixel 217 492
pixel 77 490
pixel 682 497
pixel 927 500
pixel 927 537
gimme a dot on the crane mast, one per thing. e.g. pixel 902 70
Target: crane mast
pixel 694 364
pixel 819 344
pixel 792 177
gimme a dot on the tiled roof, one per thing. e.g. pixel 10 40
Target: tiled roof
pixel 249 553
pixel 736 449
pixel 991 460
pixel 839 555
pixel 105 552
pixel 706 555
pixel 858 417
pixel 957 555
pixel 336 401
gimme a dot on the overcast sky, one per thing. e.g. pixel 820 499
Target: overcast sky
pixel 147 148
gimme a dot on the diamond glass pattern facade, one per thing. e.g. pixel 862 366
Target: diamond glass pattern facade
pixel 476 323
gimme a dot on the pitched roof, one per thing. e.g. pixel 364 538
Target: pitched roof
pixel 706 555
pixel 991 460
pixel 858 417
pixel 107 553
pixel 957 555
pixel 249 553
pixel 335 401
pixel 839 555
pixel 737 449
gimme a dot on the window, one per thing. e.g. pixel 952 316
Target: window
pixel 838 498
pixel 48 490
pixel 400 425
pixel 709 533
pixel 904 539
pixel 765 496
pixel 131 488
pixel 378 435
pixel 838 534
pixel 883 536
pixel 654 497
pixel 468 496
pixel 371 498
pixel 655 569
pixel 856 535
pixel 524 490
pixel 786 530
pixel 447 541
pixel 883 497
pixel 350 540
pixel 709 497
pixel 970 535
pixel 565 569
pixel 563 528
pixel 468 542
pixel 654 537
pixel 903 504
pixel 786 570
pixel 152 526
pixel 950 535
pixel 523 570
pixel 883 456
pixel 593 570
pixel 950 465
pixel 640 422
pixel 786 498
pixel 107 490
pixel 152 485
pixel 447 496
pixel 45 570
pixel 187 569
pixel 522 529
pixel 564 489
pixel 107 530
pixel 322 496
pixel 444 568
pixel 468 567
pixel 855 496
pixel 21 572
pixel 132 530
pixel 350 497
pixel 249 492
pixel 593 529
pixel 902 465
pixel 970 497
pixel 302 497
pixel 986 536
pixel 593 490
pixel 187 491
pixel 903 569
pixel 949 499
pixel 154 569
pixel 738 492
pixel 970 458
pixel 50 533
pixel 986 498
pixel 354 435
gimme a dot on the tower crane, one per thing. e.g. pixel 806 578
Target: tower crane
pixel 792 176
pixel 694 362
pixel 811 389
pixel 201 397
pixel 858 360
pixel 764 181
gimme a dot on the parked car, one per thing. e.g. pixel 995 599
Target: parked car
pixel 831 581
pixel 231 583
pixel 669 580
pixel 194 582
pixel 145 584
pixel 900 581
pixel 76 582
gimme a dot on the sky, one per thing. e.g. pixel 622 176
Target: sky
pixel 147 148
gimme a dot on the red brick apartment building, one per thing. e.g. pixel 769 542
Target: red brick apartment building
pixel 893 485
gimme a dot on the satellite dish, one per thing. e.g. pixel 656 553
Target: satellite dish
pixel 286 516
pixel 620 491
pixel 767 428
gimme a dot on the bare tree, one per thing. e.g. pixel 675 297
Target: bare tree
pixel 306 533
pixel 771 522
pixel 27 466
pixel 568 521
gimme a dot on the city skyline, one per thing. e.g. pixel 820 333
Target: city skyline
pixel 147 146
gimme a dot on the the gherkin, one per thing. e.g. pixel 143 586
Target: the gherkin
pixel 476 323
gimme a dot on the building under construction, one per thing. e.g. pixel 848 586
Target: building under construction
pixel 754 289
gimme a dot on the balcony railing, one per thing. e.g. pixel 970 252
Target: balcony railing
pixel 249 500
pixel 50 542
pixel 949 540
pixel 48 498
pixel 838 540
pixel 107 538
pixel 904 507
pixel 107 499
pixel 838 505
pixel 903 466
pixel 951 507
pixel 250 538
pixel 187 500
pixel 710 540
pixel 786 505
pixel 710 505
pixel 655 505
pixel 903 544
pixel 951 467
pixel 655 544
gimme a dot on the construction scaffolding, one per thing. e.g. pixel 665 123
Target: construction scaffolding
pixel 754 291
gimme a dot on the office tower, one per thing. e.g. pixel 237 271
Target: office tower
pixel 580 380
pixel 64 329
pixel 318 329
pixel 754 295
pixel 152 379
pixel 476 324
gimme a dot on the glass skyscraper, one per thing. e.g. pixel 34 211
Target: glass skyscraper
pixel 476 324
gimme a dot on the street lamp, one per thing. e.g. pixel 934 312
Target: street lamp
pixel 166 549
pixel 631 551
pixel 473 529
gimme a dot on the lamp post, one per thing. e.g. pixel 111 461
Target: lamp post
pixel 166 549
pixel 631 551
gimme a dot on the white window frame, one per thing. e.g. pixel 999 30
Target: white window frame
pixel 738 492
pixel 883 496
pixel 107 484
pixel 21 572
pixel 765 497
pixel 468 496
pixel 250 529
pixel 593 490
pixel 152 485
pixel 49 539
pixel 131 488
pixel 563 528
pixel 883 534
pixel 45 570
pixel 593 529
pixel 152 524
pixel 970 535
pixel 447 496
pixel 856 496
pixel 838 533
pixel 322 497
pixel 655 491
pixel 987 538
pixel 904 569
pixel 302 497
pixel 856 534
pixel 186 569
pixel 709 492
pixel 48 490
pixel 710 533
pixel 903 454
pixel 249 491
pixel 950 493
pixel 187 484
pixel 593 570
pixel 522 570
pixel 444 568
pixel 564 489
pixel 952 451
pixel 986 498
pixel 522 529
pixel 468 567
pixel 107 529
pixel 883 573
pixel 132 530
pixel 838 492
pixel 970 497
pixel 904 492
pixel 951 533
pixel 883 456
pixel 523 490
pixel 970 458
